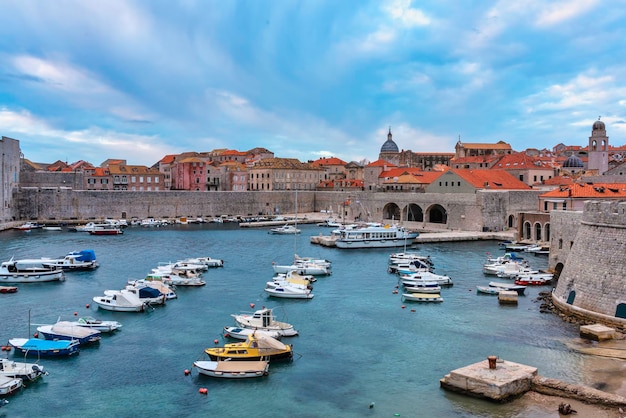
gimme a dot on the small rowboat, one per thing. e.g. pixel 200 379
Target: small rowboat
pixel 233 369
pixel 422 297
pixel 8 289
pixel 488 290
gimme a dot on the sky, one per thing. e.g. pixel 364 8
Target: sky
pixel 141 79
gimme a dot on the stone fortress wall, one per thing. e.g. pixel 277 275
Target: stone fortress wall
pixel 592 283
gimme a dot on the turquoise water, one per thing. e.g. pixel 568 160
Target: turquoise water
pixel 357 344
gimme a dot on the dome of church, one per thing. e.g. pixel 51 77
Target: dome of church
pixel 598 125
pixel 389 145
pixel 573 162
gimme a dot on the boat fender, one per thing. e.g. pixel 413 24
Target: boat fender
pixel 203 391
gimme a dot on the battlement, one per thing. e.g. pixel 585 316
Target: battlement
pixel 605 213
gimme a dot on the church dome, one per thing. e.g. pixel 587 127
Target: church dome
pixel 573 162
pixel 598 126
pixel 389 145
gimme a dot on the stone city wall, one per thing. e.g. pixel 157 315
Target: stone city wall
pixel 593 278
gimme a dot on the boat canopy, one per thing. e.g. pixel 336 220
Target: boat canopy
pixel 86 255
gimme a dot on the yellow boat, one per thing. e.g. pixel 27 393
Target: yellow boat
pixel 255 348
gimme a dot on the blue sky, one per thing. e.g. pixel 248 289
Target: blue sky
pixel 137 80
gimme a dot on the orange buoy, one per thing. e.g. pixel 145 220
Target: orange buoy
pixel 187 372
pixel 252 305
pixel 203 391
pixel 215 341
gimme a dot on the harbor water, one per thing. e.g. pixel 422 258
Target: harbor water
pixel 361 350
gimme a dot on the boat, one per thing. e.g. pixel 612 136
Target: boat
pixel 107 230
pixel 255 348
pixel 52 228
pixel 8 289
pixel 146 294
pixel 287 290
pixel 97 324
pixel 90 226
pixel 27 226
pixel 207 261
pixel 422 297
pixel 318 261
pixel 375 236
pixel 284 230
pixel 24 371
pixel 488 290
pixel 241 333
pixel 233 369
pixel 9 385
pixel 422 277
pixel 409 267
pixel 294 278
pixel 506 286
pixel 64 330
pixel 74 261
pixel 425 287
pixel 28 271
pixel 303 268
pixel 508 268
pixel 264 319
pixel 174 279
pixel 45 348
pixel 516 246
pixel 159 285
pixel 405 257
pixel 330 223
pixel 121 301
pixel 531 280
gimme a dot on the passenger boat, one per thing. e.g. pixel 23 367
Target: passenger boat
pixel 24 371
pixel 422 297
pixel 284 230
pixel 74 261
pixel 65 330
pixel 28 271
pixel 375 236
pixel 253 349
pixel 121 301
pixel 233 369
pixel 9 385
pixel 45 348
pixel 241 333
pixel 264 319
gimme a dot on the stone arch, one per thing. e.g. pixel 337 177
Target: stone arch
pixel 620 311
pixel 527 231
pixel 557 272
pixel 571 297
pixel 538 231
pixel 413 213
pixel 437 214
pixel 546 232
pixel 511 221
pixel 391 211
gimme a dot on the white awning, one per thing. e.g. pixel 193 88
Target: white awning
pixel 555 200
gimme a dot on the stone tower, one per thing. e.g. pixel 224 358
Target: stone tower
pixel 598 148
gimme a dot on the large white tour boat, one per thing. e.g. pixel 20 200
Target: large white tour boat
pixel 375 236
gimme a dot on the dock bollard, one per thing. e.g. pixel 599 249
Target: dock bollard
pixel 492 361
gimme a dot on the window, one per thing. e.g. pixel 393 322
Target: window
pixel 140 179
pixel 133 179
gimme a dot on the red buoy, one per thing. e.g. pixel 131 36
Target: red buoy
pixel 403 306
pixel 203 391
pixel 252 305
pixel 215 341
pixel 75 313
pixel 187 372
pixel 87 306
pixel 36 335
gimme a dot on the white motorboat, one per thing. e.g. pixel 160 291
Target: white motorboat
pixel 121 301
pixel 422 297
pixel 508 268
pixel 415 279
pixel 295 278
pixel 159 285
pixel 207 261
pixel 409 267
pixel 241 333
pixel 425 287
pixel 233 369
pixel 174 279
pixel 374 236
pixel 302 268
pixel 318 261
pixel 264 319
pixel 146 294
pixel 24 371
pixel 399 258
pixel 28 271
pixel 90 226
pixel 284 230
pixel 287 290
pixel 488 290
pixel 75 260
pixel 9 385
pixel 97 324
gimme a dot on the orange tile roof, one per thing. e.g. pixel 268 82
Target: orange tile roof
pixel 519 160
pixel 558 181
pixel 328 161
pixel 589 191
pixel 381 163
pixel 395 172
pixel 495 179
pixel 168 159
pixel 424 177
pixel 478 145
pixel 475 159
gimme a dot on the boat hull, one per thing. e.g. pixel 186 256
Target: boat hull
pixel 44 348
pixel 102 304
pixel 35 277
pixel 9 385
pixel 281 293
pixel 387 243
pixel 233 369
pixel 422 297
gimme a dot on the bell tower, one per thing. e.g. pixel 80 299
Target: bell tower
pixel 598 148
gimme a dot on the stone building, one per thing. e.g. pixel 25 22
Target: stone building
pixel 284 174
pixel 468 149
pixel 406 158
pixel 598 148
pixel 10 172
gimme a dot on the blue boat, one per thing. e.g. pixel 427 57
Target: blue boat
pixel 45 348
pixel 64 330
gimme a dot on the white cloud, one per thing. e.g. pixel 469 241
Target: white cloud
pixel 401 10
pixel 551 13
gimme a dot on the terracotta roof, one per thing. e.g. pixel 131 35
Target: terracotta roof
pixel 381 163
pixel 492 179
pixel 475 159
pixel 424 177
pixel 589 191
pixel 519 160
pixel 168 159
pixel 478 145
pixel 558 181
pixel 328 161
pixel 131 169
pixel 395 172
pixel 284 163
pixel 233 152
pixel 192 160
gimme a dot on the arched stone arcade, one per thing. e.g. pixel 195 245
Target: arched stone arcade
pixel 413 213
pixel 437 214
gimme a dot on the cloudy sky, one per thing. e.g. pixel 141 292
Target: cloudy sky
pixel 139 79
